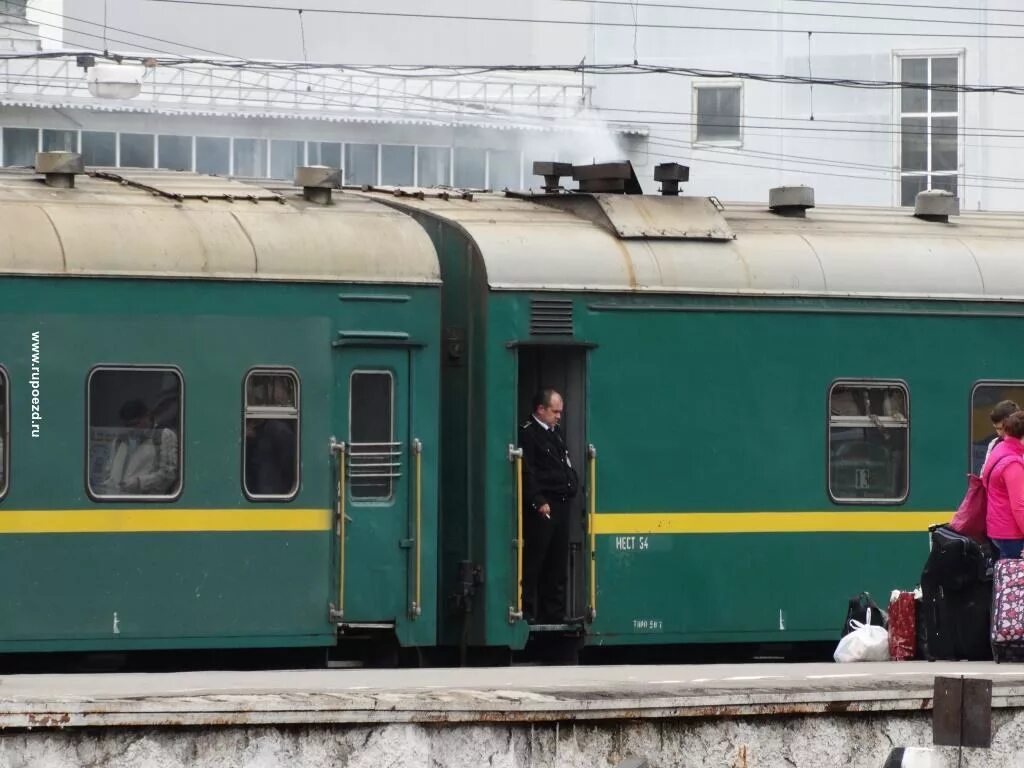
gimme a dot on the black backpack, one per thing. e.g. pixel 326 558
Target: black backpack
pixel 858 611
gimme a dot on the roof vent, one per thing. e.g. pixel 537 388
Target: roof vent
pixel 608 177
pixel 552 173
pixel 317 181
pixel 551 317
pixel 670 174
pixel 936 205
pixel 59 168
pixel 791 201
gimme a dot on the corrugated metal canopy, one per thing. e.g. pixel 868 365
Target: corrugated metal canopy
pixel 832 252
pixel 220 229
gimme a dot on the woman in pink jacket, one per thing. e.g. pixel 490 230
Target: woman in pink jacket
pixel 1004 486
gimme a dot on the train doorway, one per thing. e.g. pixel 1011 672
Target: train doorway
pixel 563 368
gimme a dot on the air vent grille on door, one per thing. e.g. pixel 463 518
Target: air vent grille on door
pixel 551 317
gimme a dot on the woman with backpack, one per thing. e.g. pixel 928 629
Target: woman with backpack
pixel 1004 486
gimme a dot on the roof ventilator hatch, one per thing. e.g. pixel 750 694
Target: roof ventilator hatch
pixel 317 181
pixel 791 201
pixel 670 175
pixel 936 205
pixel 59 168
pixel 608 177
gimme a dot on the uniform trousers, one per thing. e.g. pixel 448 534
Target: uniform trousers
pixel 546 563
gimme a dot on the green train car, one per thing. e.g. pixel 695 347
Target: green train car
pixel 768 405
pixel 191 368
pixel 772 404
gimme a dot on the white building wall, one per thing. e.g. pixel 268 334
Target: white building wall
pixel 49 16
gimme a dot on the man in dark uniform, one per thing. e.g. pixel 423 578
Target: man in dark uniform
pixel 550 483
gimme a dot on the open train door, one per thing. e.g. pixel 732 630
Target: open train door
pixel 563 368
pixel 375 466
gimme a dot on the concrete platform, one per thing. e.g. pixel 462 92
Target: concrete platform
pixel 494 695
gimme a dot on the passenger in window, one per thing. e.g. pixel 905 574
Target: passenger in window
pixel 270 446
pixel 1004 486
pixel 998 415
pixel 144 458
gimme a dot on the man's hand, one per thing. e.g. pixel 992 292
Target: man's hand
pixel 545 509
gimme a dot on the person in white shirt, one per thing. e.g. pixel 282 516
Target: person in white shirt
pixel 144 460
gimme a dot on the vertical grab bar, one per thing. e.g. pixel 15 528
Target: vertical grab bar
pixel 591 528
pixel 515 612
pixel 417 450
pixel 340 449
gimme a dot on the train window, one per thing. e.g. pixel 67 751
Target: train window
pixel 984 397
pixel 270 454
pixel 135 427
pixel 868 456
pixel 374 456
pixel 5 436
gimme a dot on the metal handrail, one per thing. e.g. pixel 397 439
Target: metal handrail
pixel 515 612
pixel 591 528
pixel 339 448
pixel 417 450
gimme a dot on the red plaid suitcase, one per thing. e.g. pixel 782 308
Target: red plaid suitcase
pixel 902 626
pixel 1008 610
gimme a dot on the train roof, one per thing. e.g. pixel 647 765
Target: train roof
pixel 667 244
pixel 166 224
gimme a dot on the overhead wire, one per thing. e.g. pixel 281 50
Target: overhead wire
pixel 578 22
pixel 776 12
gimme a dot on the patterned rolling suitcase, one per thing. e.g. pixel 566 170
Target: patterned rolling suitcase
pixel 1008 610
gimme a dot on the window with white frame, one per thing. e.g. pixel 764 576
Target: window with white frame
pixel 717 109
pixel 929 122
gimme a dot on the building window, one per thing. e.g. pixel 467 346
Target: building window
pixel 270 453
pixel 60 141
pixel 251 158
pixel 928 126
pixel 718 109
pixel 397 165
pixel 504 170
pixel 361 164
pixel 433 166
pixel 324 153
pixel 175 152
pixel 213 155
pixel 868 457
pixel 135 423
pixel 21 146
pixel 99 148
pixel 5 433
pixel 136 150
pixel 285 157
pixel 375 460
pixel 470 168
pixel 984 398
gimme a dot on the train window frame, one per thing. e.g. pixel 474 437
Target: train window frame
pixel 867 384
pixel 5 435
pixel 277 412
pixel 392 479
pixel 970 410
pixel 162 498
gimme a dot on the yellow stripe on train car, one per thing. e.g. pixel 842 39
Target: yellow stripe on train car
pixel 162 520
pixel 767 522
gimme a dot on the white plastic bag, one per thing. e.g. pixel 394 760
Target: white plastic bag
pixel 867 642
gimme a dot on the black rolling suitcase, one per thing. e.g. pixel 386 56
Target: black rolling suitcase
pixel 956 602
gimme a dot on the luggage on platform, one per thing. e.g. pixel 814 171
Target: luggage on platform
pixel 956 600
pixel 1008 610
pixel 865 610
pixel 902 626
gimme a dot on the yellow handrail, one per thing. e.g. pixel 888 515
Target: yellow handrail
pixel 591 527
pixel 339 448
pixel 417 448
pixel 515 612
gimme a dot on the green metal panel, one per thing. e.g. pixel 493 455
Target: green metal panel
pixel 239 587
